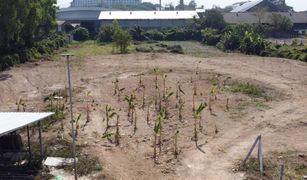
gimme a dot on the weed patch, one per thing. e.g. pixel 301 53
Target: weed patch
pixel 248 89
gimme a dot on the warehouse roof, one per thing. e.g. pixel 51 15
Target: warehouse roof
pixel 12 121
pixel 251 18
pixel 246 6
pixel 126 15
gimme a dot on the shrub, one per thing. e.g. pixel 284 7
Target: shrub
pixel 232 37
pixel 281 23
pixel 105 34
pixel 213 19
pixel 121 40
pixel 175 34
pixel 252 43
pixel 8 61
pixel 137 34
pixel 210 36
pixel 81 34
pixel 154 34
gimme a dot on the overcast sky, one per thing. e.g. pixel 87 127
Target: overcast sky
pixel 299 5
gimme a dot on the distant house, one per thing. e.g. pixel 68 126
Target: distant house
pixel 268 5
pixel 299 19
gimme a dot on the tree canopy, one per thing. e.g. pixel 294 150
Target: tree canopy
pixel 22 22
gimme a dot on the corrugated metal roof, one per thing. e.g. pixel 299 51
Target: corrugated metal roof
pixel 246 6
pixel 251 18
pixel 12 121
pixel 124 15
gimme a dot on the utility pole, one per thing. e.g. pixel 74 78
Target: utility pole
pixel 71 115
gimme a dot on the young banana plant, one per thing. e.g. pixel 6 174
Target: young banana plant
pixel 180 108
pixel 162 116
pixel 143 96
pixel 21 103
pixel 88 108
pixel 157 130
pixel 117 135
pixel 197 116
pixel 147 114
pixel 77 125
pixel 167 99
pixel 164 77
pixel 109 115
pixel 179 91
pixel 176 152
pixel 140 81
pixel 119 93
pixel 227 104
pixel 198 70
pixel 131 105
pixel 116 87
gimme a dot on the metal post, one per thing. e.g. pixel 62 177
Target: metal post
pixel 251 150
pixel 260 156
pixel 40 141
pixel 29 145
pixel 71 118
pixel 281 172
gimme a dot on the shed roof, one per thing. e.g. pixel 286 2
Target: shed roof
pixel 251 18
pixel 126 15
pixel 12 121
pixel 246 6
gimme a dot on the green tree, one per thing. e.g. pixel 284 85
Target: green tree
pixel 213 19
pixel 121 38
pixel 281 23
pixel 81 34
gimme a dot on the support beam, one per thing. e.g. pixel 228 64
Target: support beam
pixel 29 144
pixel 40 141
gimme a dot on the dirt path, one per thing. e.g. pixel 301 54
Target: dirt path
pixel 283 125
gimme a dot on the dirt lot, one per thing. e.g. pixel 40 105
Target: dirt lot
pixel 281 119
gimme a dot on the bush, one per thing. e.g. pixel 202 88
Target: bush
pixel 252 43
pixel 121 40
pixel 154 34
pixel 8 61
pixel 210 36
pixel 231 39
pixel 213 19
pixel 81 34
pixel 105 34
pixel 138 34
pixel 176 34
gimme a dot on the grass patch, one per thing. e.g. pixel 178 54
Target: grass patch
pixel 295 166
pixel 248 89
pixel 86 165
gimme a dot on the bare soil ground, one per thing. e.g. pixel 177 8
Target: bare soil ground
pixel 282 121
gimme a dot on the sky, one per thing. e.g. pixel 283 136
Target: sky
pixel 298 5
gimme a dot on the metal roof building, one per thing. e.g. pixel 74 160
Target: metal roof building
pixel 146 19
pixel 269 5
pixel 299 19
pixel 147 15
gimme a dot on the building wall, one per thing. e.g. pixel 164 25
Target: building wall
pixel 86 3
pixel 147 23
